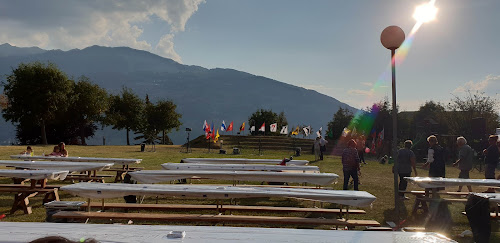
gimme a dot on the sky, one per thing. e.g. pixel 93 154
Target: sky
pixel 331 46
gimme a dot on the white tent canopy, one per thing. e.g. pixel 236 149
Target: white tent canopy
pixel 35 174
pixel 155 176
pixel 26 232
pixel 114 190
pixel 238 167
pixel 242 161
pixel 56 165
pixel 118 161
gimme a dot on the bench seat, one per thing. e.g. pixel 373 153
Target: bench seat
pixel 196 218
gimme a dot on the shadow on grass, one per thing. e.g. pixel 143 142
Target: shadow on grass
pixel 390 214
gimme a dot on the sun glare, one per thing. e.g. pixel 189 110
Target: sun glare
pixel 425 12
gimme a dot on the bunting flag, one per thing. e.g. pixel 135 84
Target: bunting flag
pixel 345 132
pixel 263 127
pixel 216 138
pixel 230 127
pixel 296 131
pixel 284 130
pixel 273 127
pixel 319 131
pixel 307 130
pixel 222 126
pixel 205 126
pixel 242 127
pixel 252 129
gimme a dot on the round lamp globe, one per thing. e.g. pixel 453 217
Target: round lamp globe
pixel 392 37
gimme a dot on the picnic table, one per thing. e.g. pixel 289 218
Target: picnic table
pixel 23 193
pixel 432 185
pixel 117 161
pixel 238 167
pixel 155 176
pixel 26 232
pixel 241 161
pixel 56 165
pixel 115 190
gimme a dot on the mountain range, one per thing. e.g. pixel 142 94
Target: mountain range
pixel 200 93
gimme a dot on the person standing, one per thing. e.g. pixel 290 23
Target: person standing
pixel 316 149
pixel 491 155
pixel 464 162
pixel 435 158
pixel 322 147
pixel 406 161
pixel 360 144
pixel 350 164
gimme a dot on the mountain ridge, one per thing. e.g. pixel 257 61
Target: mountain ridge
pixel 200 93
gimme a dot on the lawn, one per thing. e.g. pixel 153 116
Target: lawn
pixel 376 179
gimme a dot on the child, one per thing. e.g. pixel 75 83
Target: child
pixel 29 151
pixel 55 152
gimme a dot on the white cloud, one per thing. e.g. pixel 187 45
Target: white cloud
pixel 490 85
pixel 72 24
pixel 361 92
pixel 369 84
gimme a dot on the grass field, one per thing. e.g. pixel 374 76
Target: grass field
pixel 376 179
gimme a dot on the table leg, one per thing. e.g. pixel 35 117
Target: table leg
pixel 21 201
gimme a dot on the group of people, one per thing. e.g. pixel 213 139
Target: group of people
pixel 59 150
pixel 436 161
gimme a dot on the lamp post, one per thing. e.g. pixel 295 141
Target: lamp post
pixel 392 37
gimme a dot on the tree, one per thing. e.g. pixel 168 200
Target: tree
pixel 125 111
pixel 463 109
pixel 156 118
pixel 87 106
pixel 341 119
pixel 264 116
pixel 35 93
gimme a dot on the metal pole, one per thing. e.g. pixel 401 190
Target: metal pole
pixel 394 134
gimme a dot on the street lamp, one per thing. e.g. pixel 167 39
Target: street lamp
pixel 392 37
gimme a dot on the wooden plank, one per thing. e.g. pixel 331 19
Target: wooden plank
pixel 447 200
pixel 439 192
pixel 134 206
pixel 28 186
pixel 214 218
pixel 26 190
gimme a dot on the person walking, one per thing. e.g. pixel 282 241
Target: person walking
pixel 350 164
pixel 406 161
pixel 491 155
pixel 464 162
pixel 435 158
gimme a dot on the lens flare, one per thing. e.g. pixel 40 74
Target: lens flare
pixel 362 122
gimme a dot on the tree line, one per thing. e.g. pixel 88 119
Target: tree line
pixel 47 106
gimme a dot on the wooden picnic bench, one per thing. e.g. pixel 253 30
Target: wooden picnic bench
pixel 197 218
pixel 87 178
pixel 23 193
pixel 220 208
pixel 120 172
pixel 422 197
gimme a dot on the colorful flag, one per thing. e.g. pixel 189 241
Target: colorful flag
pixel 319 131
pixel 296 131
pixel 263 127
pixel 230 127
pixel 307 130
pixel 223 126
pixel 216 138
pixel 213 131
pixel 284 130
pixel 205 125
pixel 242 127
pixel 273 127
pixel 252 129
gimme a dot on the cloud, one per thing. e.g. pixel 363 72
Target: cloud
pixel 489 85
pixel 369 84
pixel 69 24
pixel 361 92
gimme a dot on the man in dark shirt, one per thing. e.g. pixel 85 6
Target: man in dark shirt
pixel 491 157
pixel 406 161
pixel 350 164
pixel 437 162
